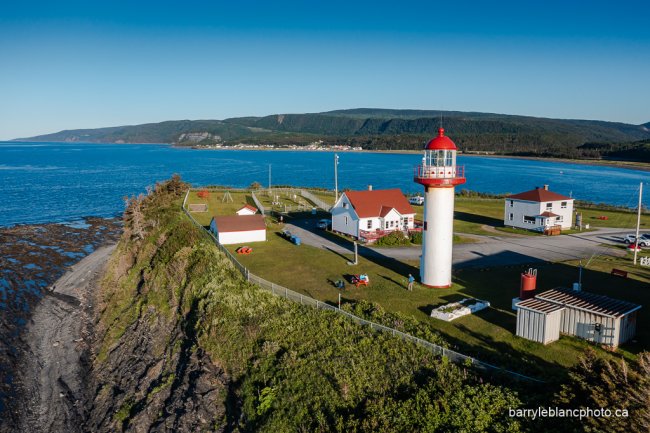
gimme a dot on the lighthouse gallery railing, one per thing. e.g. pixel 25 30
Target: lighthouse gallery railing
pixel 443 172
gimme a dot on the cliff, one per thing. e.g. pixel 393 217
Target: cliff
pixel 183 343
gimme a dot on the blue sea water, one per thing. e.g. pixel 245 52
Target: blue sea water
pixel 52 182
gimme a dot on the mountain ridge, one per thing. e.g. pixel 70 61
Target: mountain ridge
pixel 377 129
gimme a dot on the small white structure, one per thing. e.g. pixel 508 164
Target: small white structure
pixel 439 175
pixel 454 310
pixel 235 229
pixel 371 214
pixel 538 320
pixel 247 210
pixel 538 209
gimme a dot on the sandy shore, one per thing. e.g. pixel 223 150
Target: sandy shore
pixel 57 338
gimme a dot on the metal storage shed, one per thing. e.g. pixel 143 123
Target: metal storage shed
pixel 595 318
pixel 539 320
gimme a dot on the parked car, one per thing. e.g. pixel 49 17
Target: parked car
pixel 324 224
pixel 644 239
pixel 417 200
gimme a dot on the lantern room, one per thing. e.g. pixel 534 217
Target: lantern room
pixel 439 163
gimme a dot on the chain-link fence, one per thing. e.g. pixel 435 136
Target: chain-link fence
pixel 284 292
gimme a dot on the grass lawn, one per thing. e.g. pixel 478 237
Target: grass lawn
pixel 487 335
pixel 216 205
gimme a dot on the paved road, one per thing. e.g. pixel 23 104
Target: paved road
pixel 488 251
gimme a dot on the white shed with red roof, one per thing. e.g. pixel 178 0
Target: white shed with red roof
pixel 538 209
pixel 235 229
pixel 367 214
pixel 247 210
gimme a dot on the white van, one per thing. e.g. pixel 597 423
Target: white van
pixel 417 200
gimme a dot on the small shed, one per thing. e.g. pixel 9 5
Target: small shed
pixel 247 210
pixel 596 318
pixel 235 229
pixel 539 320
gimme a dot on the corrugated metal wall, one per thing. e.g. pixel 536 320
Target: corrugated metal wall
pixel 539 327
pixel 627 327
pixel 589 326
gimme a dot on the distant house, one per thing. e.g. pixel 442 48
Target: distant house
pixel 235 229
pixel 538 209
pixel 247 210
pixel 371 214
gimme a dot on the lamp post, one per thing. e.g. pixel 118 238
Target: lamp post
pixel 336 177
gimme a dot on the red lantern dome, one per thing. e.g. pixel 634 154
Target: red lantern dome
pixel 441 142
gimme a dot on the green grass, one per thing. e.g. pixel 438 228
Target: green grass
pixel 488 335
pixel 216 205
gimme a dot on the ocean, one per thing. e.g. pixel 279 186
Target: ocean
pixel 53 182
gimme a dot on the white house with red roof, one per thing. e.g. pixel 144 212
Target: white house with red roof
pixel 371 214
pixel 247 210
pixel 538 209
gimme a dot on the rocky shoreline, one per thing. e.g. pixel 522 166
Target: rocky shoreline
pixel 32 259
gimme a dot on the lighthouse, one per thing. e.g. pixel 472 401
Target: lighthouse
pixel 439 174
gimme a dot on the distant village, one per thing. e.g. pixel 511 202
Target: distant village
pixel 316 146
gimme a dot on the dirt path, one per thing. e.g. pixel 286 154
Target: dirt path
pixel 53 370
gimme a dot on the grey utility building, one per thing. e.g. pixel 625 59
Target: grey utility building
pixel 596 318
pixel 538 320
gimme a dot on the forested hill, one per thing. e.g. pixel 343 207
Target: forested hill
pixel 378 129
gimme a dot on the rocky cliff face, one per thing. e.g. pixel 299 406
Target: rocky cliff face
pixel 155 379
pixel 148 373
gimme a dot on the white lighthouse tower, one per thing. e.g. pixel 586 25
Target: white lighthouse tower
pixel 439 174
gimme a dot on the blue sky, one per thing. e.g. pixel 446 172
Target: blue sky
pixel 86 64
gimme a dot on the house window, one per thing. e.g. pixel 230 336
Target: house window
pixel 563 205
pixel 549 206
pixel 424 227
pixel 511 203
pixel 386 224
pixel 392 224
pixel 529 219
pixel 369 224
pixel 511 217
pixel 345 205
pixel 558 219
pixel 346 221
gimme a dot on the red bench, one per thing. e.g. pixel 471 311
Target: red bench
pixel 619 273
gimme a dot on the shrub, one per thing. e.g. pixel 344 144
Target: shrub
pixel 393 239
pixel 416 238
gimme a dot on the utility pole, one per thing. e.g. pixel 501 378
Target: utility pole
pixel 269 177
pixel 638 223
pixel 336 177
